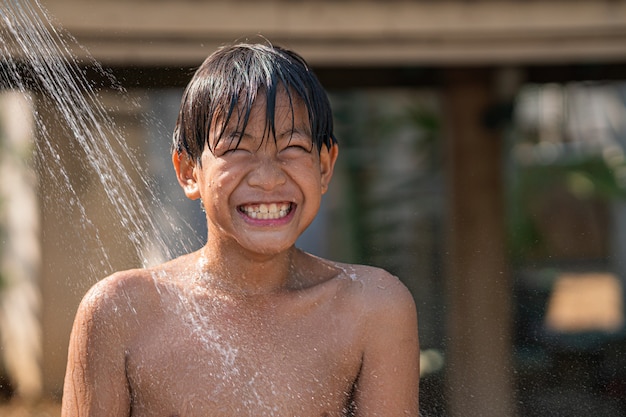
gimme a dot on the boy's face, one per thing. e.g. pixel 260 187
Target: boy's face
pixel 262 193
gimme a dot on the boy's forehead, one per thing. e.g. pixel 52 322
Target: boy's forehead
pixel 287 108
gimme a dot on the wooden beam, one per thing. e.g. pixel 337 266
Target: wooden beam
pixel 478 287
pixel 352 33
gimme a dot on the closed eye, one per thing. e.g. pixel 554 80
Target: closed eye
pixel 232 143
pixel 296 150
pixel 298 142
pixel 300 146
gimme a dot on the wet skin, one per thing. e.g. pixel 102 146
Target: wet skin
pixel 248 325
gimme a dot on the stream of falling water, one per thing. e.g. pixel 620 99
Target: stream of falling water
pixel 37 57
pixel 81 158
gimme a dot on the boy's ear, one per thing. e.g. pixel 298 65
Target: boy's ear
pixel 185 168
pixel 328 157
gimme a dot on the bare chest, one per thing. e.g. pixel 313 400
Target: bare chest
pixel 222 362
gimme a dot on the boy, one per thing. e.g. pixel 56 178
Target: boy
pixel 249 325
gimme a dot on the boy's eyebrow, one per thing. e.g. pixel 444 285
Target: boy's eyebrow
pixel 229 131
pixel 231 136
pixel 295 129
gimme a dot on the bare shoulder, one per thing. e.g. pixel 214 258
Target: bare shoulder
pixel 384 309
pixel 388 381
pixel 115 296
pixel 103 327
pixel 377 288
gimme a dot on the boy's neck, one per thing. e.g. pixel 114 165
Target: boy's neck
pixel 249 274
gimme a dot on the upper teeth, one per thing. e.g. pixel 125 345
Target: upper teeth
pixel 267 211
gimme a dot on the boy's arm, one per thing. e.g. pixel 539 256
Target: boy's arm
pixel 388 384
pixel 95 380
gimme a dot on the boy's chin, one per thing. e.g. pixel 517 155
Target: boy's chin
pixel 267 246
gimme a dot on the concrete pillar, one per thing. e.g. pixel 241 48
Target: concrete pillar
pixel 20 252
pixel 478 352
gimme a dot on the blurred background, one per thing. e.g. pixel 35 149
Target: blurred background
pixel 482 160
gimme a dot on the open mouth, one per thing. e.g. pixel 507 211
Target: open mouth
pixel 271 211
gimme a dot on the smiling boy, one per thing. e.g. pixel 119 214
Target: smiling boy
pixel 248 325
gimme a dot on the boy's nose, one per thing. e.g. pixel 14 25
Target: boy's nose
pixel 266 174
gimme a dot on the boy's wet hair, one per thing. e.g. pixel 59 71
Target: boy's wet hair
pixel 226 85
